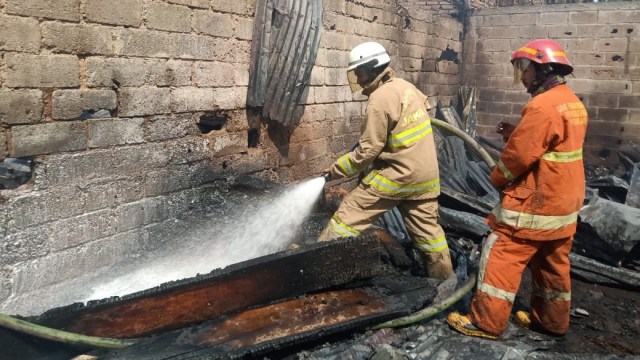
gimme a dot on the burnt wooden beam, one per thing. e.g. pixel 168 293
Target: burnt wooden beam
pixel 239 287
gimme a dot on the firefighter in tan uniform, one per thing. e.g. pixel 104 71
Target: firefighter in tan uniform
pixel 396 153
pixel 541 176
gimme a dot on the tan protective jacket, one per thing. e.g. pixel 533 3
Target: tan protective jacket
pixel 541 169
pixel 397 141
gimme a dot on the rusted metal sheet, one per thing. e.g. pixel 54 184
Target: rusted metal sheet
pixel 285 41
pixel 249 284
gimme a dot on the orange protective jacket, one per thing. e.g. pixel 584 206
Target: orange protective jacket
pixel 541 169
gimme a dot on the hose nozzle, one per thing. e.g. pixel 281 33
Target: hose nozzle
pixel 326 176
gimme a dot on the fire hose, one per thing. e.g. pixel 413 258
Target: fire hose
pixel 66 337
pixel 434 309
pixel 62 336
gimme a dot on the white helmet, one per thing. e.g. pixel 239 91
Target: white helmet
pixel 363 54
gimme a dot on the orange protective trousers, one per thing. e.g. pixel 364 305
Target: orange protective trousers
pixel 502 263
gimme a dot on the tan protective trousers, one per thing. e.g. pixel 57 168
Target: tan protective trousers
pixel 361 208
pixel 502 262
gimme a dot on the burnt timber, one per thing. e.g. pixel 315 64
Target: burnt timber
pixel 250 308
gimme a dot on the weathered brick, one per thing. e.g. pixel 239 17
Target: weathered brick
pixel 144 101
pixel 29 140
pixel 241 75
pixel 77 39
pixel 113 191
pixel 76 262
pixel 53 9
pixel 597 31
pixel 583 17
pixel 168 73
pixel 613 115
pixel 136 158
pixel 552 18
pixel 631 102
pixel 243 28
pixel 231 6
pixel 20 106
pixel 71 104
pixel 223 143
pixel 562 31
pixel 338 6
pixel 111 132
pixel 161 16
pixel 40 207
pixel 63 169
pixel 603 100
pixel 230 98
pixel 618 45
pixel 42 71
pixel 328 94
pixel 187 99
pixel 176 177
pixel 130 216
pixel 187 150
pixel 619 16
pixel 203 4
pixel 111 72
pixel 171 126
pixel 114 12
pixel 600 86
pixel 211 23
pixel 132 42
pixel 19 34
pixel 333 77
pixel 214 74
pixel 67 233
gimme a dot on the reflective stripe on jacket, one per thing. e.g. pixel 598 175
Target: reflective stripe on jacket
pixel 541 169
pixel 396 144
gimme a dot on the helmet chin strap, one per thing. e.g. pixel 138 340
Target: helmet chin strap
pixel 542 72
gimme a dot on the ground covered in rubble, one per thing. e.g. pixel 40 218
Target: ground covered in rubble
pixel 604 325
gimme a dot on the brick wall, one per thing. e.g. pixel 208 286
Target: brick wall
pixel 603 44
pixel 105 96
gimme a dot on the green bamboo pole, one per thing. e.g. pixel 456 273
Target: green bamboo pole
pixel 62 336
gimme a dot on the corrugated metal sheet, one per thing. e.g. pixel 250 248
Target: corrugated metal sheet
pixel 286 36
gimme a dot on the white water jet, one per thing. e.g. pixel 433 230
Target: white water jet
pixel 259 229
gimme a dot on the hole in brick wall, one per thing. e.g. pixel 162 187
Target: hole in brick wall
pixel 211 121
pixel 225 165
pixel 450 55
pixel 629 30
pixel 15 172
pixel 407 22
pixel 253 138
pixel 617 58
pixel 614 31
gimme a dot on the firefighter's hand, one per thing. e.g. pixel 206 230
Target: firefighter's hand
pixel 326 174
pixel 505 129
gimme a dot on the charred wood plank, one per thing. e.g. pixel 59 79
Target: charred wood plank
pixel 308 318
pixel 239 287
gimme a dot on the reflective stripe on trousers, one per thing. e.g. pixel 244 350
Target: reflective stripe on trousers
pixel 502 263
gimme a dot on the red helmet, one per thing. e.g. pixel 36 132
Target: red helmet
pixel 545 51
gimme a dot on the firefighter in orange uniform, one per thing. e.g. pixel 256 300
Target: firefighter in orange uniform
pixel 541 176
pixel 397 156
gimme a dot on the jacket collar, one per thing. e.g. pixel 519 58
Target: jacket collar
pixel 378 81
